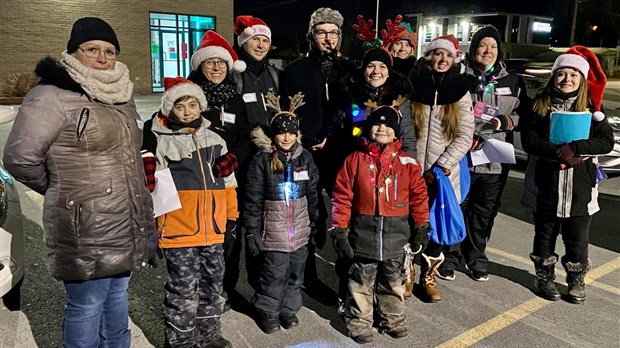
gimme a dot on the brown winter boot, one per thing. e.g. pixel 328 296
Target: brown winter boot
pixel 428 271
pixel 409 279
pixel 575 278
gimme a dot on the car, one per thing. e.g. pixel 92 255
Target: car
pixel 12 261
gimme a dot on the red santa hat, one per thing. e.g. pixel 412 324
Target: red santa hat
pixel 246 27
pixel 179 87
pixel 448 43
pixel 584 60
pixel 213 45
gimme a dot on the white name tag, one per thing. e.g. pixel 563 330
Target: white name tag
pixel 503 91
pixel 407 160
pixel 228 117
pixel 302 175
pixel 140 124
pixel 249 97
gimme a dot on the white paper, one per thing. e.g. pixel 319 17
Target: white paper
pixel 249 97
pixel 165 195
pixel 494 150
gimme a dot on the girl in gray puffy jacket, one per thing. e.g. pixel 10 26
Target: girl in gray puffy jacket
pixel 280 212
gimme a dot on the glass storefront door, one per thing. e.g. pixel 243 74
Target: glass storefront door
pixel 173 40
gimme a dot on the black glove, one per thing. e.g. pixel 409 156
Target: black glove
pixel 419 237
pixel 340 240
pixel 318 235
pixel 230 237
pixel 153 263
pixel 254 242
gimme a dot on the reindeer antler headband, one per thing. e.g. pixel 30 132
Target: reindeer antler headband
pixel 367 34
pixel 284 121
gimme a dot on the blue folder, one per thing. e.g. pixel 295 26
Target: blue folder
pixel 569 126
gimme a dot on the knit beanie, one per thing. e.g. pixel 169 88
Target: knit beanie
pixel 91 28
pixel 378 54
pixel 284 123
pixel 488 31
pixel 386 115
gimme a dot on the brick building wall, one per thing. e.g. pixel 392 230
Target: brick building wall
pixel 29 30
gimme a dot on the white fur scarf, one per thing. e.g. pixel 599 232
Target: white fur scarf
pixel 108 86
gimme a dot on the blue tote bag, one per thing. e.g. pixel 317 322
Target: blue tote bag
pixel 448 225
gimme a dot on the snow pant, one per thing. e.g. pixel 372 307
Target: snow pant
pixel 279 291
pixel 193 303
pixel 575 231
pixel 375 284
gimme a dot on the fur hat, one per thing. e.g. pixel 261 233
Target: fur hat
pixel 448 43
pixel 386 115
pixel 488 31
pixel 213 45
pixel 584 60
pixel 179 87
pixel 325 15
pixel 246 27
pixel 91 28
pixel 378 54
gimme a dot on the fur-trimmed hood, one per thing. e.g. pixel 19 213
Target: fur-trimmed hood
pixel 265 144
pixel 52 72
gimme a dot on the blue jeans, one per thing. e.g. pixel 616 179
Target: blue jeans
pixel 97 313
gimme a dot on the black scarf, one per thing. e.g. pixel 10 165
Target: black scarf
pixel 451 86
pixel 175 124
pixel 252 65
pixel 556 93
pixel 218 95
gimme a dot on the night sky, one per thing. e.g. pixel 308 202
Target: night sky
pixel 288 19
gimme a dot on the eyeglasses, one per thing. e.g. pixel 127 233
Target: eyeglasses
pixel 322 34
pixel 211 63
pixel 93 52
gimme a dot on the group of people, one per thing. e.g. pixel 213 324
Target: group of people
pixel 250 150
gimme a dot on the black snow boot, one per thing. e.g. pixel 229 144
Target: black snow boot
pixel 545 275
pixel 575 275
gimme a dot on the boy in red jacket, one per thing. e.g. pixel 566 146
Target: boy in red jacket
pixel 380 203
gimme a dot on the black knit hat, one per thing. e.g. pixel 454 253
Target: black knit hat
pixel 91 28
pixel 386 115
pixel 284 123
pixel 488 31
pixel 378 54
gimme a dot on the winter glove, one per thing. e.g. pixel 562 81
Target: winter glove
pixel 564 152
pixel 419 237
pixel 230 237
pixel 503 123
pixel 254 242
pixel 318 235
pixel 477 142
pixel 153 263
pixel 429 177
pixel 225 165
pixel 340 240
pixel 150 163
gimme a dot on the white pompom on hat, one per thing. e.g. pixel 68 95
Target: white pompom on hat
pixel 246 27
pixel 448 43
pixel 583 59
pixel 178 87
pixel 213 45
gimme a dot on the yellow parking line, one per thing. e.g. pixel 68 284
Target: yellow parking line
pixel 488 328
pixel 605 269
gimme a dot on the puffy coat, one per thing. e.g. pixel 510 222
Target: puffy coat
pixel 206 202
pixel 378 195
pixel 84 156
pixel 510 95
pixel 285 225
pixel 562 192
pixel 432 148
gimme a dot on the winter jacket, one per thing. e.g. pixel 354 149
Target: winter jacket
pixel 258 79
pixel 562 191
pixel 354 97
pixel 206 202
pixel 313 76
pixel 84 156
pixel 432 148
pixel 284 223
pixel 509 94
pixel 379 195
